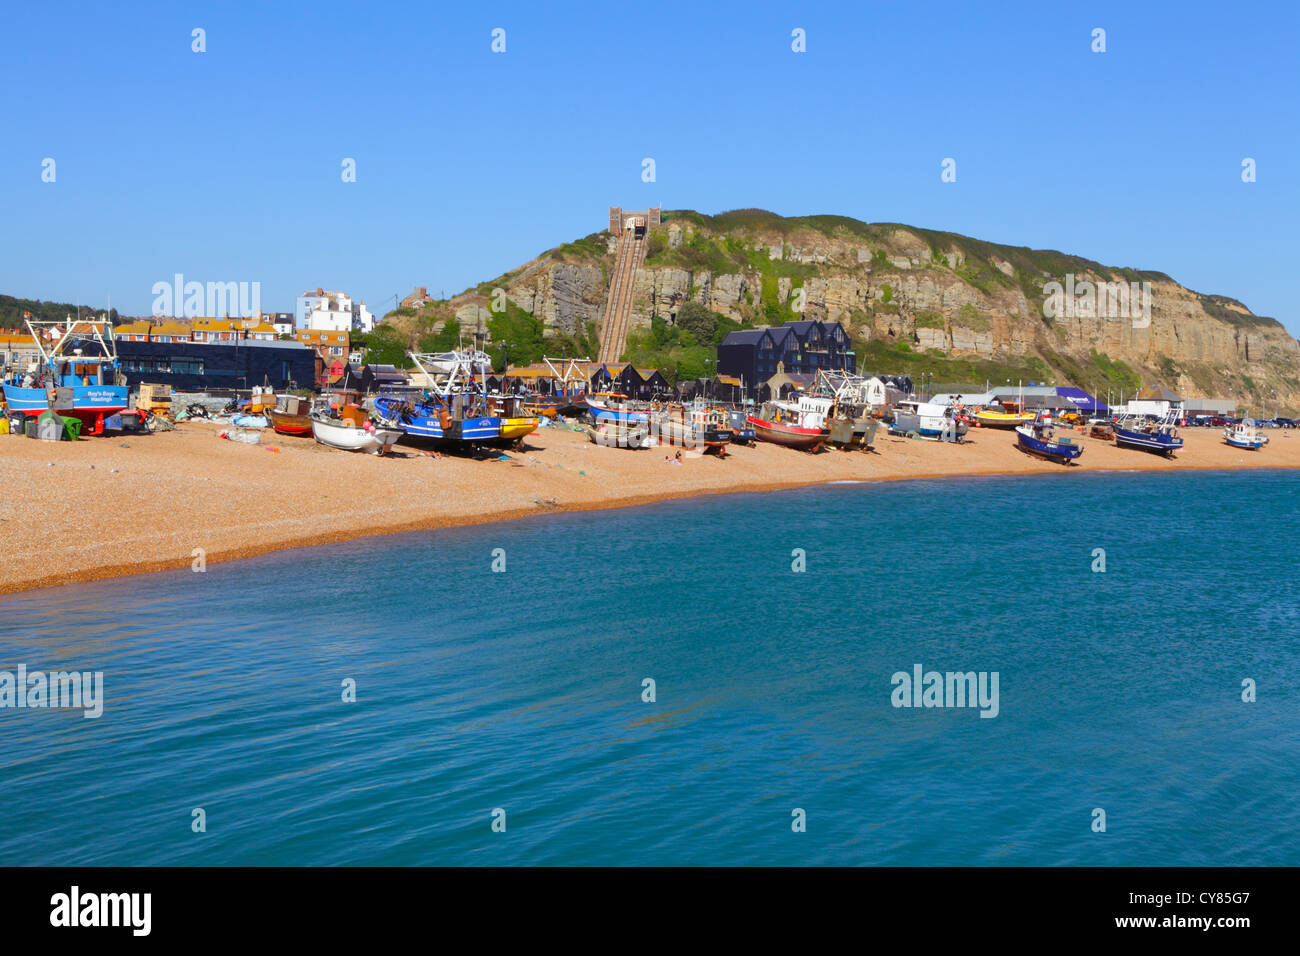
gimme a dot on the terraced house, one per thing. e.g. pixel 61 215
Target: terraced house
pixel 799 347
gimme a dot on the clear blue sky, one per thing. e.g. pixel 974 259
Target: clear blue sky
pixel 225 166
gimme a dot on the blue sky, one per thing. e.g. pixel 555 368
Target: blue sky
pixel 225 165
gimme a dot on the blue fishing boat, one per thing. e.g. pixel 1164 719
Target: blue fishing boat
pixel 741 428
pixel 475 429
pixel 455 410
pixel 78 376
pixel 615 407
pixel 421 422
pixel 1039 439
pixel 1158 437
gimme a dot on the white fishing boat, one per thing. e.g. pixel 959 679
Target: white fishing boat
pixel 349 435
pixel 614 434
pixel 927 420
pixel 1245 435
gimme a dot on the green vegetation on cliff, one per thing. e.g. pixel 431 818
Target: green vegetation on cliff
pixel 12 309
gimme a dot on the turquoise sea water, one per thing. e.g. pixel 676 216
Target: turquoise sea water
pixel 522 690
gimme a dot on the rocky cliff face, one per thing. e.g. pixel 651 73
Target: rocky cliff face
pixel 941 293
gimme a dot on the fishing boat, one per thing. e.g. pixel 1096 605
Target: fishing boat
pixel 285 423
pixel 988 418
pixel 927 420
pixel 615 406
pixel 289 416
pixel 78 376
pixel 1159 437
pixel 422 422
pixel 742 432
pixel 455 410
pixel 1245 435
pixel 620 434
pixel 1038 438
pixel 782 424
pixel 353 430
pixel 847 404
pixel 700 427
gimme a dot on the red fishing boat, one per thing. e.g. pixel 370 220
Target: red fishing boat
pixel 783 425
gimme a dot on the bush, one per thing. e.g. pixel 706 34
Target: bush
pixel 697 321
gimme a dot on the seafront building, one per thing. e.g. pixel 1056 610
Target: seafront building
pixel 802 347
pixel 198 366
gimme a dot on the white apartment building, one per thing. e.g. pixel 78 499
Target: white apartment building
pixel 321 311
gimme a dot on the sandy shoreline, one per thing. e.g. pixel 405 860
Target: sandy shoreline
pixel 108 507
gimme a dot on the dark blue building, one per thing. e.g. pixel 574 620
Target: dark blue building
pixel 200 366
pixel 802 347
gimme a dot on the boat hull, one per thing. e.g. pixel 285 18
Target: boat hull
pixel 475 430
pixel 791 436
pixel 91 404
pixel 613 435
pixel 601 412
pixel 1157 443
pixel 1001 419
pixel 1059 452
pixel 513 429
pixel 286 424
pixel 347 437
pixel 673 432
pixel 420 424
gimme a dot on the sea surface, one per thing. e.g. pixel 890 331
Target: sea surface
pixel 518 696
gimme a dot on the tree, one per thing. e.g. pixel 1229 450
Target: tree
pixel 697 321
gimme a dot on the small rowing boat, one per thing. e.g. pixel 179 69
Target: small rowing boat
pixel 353 431
pixel 289 416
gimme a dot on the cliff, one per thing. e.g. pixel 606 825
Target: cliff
pixel 914 300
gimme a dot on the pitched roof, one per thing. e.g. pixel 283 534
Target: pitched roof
pixel 744 337
pixel 1157 393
